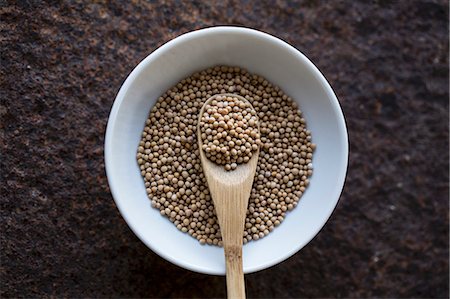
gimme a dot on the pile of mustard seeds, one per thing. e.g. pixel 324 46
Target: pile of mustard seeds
pixel 229 131
pixel 168 154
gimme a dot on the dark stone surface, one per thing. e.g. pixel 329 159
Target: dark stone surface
pixel 61 67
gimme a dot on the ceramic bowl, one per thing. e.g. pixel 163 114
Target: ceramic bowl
pixel 259 53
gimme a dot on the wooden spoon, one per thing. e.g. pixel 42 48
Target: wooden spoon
pixel 230 191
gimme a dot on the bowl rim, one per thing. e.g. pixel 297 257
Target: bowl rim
pixel 340 181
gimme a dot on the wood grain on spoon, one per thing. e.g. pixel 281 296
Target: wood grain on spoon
pixel 230 191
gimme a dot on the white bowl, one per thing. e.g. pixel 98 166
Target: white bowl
pixel 259 53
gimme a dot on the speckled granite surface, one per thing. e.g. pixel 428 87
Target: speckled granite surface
pixel 61 66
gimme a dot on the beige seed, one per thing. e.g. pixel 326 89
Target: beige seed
pixel 168 160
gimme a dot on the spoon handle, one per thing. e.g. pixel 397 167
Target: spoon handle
pixel 235 273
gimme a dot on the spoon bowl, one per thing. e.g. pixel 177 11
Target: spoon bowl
pixel 217 172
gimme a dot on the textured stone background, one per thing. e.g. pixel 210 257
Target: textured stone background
pixel 61 67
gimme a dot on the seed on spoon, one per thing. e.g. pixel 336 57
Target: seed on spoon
pixel 229 131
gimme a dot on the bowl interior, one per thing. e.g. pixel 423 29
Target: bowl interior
pixel 259 53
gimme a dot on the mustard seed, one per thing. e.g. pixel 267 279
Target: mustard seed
pixel 168 154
